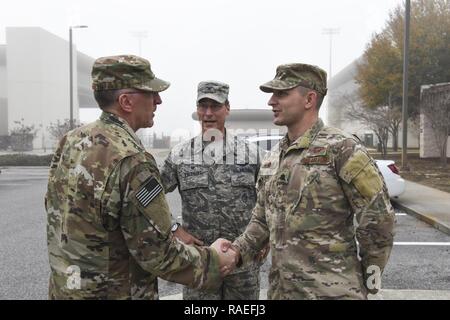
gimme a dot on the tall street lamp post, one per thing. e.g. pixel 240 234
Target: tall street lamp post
pixel 71 72
pixel 330 32
pixel 405 86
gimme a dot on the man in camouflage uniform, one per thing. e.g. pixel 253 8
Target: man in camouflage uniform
pixel 108 227
pixel 215 173
pixel 322 203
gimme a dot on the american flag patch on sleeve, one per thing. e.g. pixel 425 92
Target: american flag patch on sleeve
pixel 148 192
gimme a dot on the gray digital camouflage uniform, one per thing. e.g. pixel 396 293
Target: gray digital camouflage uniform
pixel 322 204
pixel 108 226
pixel 217 187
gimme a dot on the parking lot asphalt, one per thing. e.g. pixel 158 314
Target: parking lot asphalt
pixel 417 269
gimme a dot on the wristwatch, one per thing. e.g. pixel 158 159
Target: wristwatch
pixel 175 227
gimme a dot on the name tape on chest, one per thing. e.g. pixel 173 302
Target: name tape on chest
pixel 148 192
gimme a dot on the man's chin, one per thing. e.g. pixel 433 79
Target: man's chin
pixel 209 126
pixel 278 122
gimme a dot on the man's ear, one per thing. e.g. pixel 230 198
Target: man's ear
pixel 125 103
pixel 311 99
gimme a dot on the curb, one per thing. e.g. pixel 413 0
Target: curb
pixel 437 224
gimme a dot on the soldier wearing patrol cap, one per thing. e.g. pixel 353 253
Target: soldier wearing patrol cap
pixel 108 223
pixel 322 203
pixel 215 173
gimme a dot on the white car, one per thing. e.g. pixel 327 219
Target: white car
pixel 394 183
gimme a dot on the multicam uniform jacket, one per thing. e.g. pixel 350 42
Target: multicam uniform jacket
pixel 324 207
pixel 217 185
pixel 108 227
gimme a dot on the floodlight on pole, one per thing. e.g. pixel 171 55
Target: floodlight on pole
pixel 140 34
pixel 71 72
pixel 330 32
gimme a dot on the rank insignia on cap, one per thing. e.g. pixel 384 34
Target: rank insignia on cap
pixel 148 192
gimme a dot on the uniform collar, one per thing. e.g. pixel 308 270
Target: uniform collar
pixel 122 123
pixel 304 141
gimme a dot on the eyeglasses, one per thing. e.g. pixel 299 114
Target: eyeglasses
pixel 214 106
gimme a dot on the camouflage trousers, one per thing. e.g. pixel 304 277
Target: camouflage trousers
pixel 237 286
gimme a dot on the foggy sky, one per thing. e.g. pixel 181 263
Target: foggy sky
pixel 237 42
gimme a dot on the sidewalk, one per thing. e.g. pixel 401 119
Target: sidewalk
pixel 427 204
pixel 384 294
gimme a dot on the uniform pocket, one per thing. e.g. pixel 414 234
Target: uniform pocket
pixel 305 188
pixel 244 179
pixel 360 171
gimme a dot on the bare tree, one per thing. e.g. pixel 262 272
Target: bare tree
pixel 22 136
pixel 381 120
pixel 435 105
pixel 60 128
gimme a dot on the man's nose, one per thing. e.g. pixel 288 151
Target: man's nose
pixel 157 98
pixel 272 100
pixel 208 111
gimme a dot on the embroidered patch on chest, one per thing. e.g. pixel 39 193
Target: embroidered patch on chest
pixel 150 189
pixel 316 155
pixel 316 160
pixel 318 151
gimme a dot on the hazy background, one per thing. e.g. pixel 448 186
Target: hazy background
pixel 238 42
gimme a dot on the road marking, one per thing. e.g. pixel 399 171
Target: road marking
pixel 401 214
pixel 421 243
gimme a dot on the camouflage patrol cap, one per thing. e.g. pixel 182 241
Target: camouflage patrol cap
pixel 297 74
pixel 125 71
pixel 218 91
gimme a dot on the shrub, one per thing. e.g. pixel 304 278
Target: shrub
pixel 25 160
pixel 22 136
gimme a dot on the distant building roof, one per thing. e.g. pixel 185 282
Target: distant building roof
pixel 345 75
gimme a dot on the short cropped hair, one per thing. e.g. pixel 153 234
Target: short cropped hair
pixel 106 98
pixel 304 91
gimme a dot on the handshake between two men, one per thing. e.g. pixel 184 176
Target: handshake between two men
pixel 229 255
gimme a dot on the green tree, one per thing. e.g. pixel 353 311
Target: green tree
pixel 381 70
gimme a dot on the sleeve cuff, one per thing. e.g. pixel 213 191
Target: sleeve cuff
pixel 212 279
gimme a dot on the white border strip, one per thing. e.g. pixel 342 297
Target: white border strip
pixel 421 243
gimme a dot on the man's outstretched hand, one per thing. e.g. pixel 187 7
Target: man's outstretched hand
pixel 184 236
pixel 228 255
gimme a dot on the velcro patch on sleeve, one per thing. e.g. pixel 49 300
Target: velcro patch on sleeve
pixel 357 162
pixel 148 191
pixel 362 173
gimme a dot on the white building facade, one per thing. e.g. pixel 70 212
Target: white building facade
pixel 343 87
pixel 34 82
